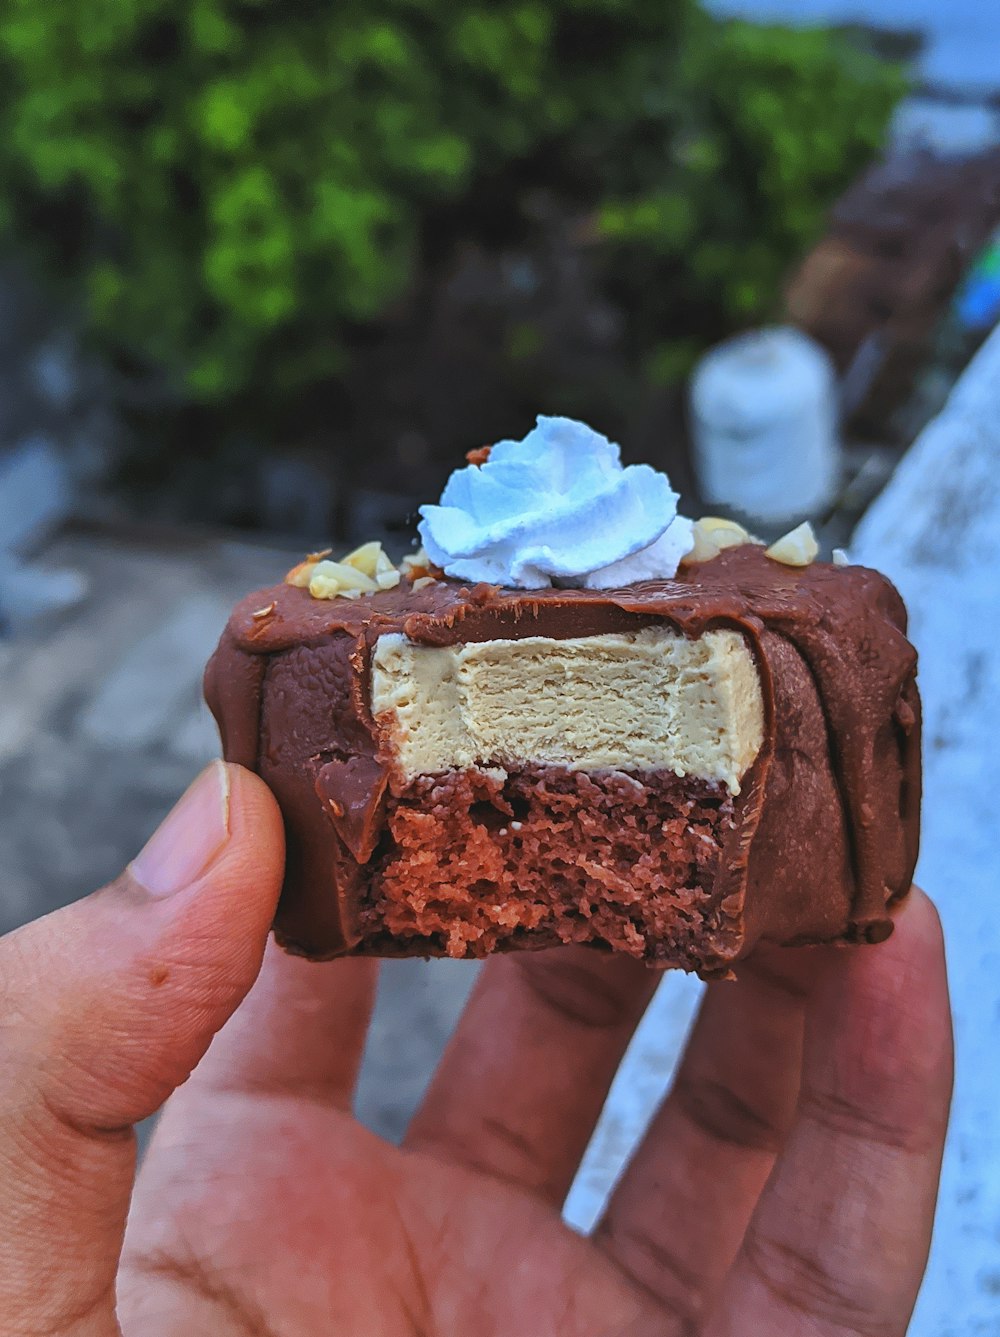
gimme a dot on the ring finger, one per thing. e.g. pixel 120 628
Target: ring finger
pixel 677 1218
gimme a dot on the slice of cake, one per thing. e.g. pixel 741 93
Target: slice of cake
pixel 607 726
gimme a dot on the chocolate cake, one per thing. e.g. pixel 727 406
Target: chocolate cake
pixel 678 768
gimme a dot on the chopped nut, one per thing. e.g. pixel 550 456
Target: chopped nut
pixel 703 550
pixel 479 456
pixel 422 582
pixel 796 548
pixel 366 570
pixel 724 533
pixel 415 563
pixel 323 587
pixel 331 579
pixel 840 557
pixel 259 614
pixel 383 566
pixel 365 558
pixel 712 534
pixel 301 575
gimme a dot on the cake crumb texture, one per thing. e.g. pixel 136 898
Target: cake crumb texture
pixel 474 860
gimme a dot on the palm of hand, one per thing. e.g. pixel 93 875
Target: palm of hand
pixel 305 1223
pixel 785 1186
pixel 765 1194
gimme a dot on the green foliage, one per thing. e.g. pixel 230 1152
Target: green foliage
pixel 779 122
pixel 237 185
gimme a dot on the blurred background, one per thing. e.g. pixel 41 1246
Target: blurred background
pixel 274 268
pixel 268 271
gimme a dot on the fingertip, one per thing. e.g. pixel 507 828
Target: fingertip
pixel 907 973
pixel 222 918
pixel 257 833
pixel 185 947
pixel 915 946
pixel 917 926
pixel 881 1022
pixel 215 863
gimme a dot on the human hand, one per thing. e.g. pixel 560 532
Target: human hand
pixel 786 1186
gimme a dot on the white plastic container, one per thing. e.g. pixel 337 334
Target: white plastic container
pixel 764 421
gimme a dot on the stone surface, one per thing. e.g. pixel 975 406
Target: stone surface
pixel 34 493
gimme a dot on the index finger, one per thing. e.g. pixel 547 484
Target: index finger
pixel 839 1240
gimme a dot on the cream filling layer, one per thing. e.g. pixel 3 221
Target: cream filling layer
pixel 646 700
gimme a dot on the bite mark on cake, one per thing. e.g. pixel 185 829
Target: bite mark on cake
pixel 575 791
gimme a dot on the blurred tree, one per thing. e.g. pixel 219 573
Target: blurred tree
pixel 249 195
pixel 777 123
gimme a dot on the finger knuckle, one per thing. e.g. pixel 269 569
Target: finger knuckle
pixel 718 1109
pixel 579 992
pixel 801 1280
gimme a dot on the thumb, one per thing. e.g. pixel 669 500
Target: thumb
pixel 105 1008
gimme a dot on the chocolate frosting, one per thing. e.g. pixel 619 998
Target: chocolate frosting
pixel 827 823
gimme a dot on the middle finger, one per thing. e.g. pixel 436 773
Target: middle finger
pixel 522 1083
pixel 678 1215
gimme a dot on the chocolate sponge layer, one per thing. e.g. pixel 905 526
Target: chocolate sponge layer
pixel 472 861
pixel 817 846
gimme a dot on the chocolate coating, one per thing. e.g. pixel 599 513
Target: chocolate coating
pixel 826 826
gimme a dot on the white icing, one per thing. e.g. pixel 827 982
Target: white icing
pixel 556 508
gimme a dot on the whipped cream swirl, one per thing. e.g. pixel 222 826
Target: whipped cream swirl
pixel 557 508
